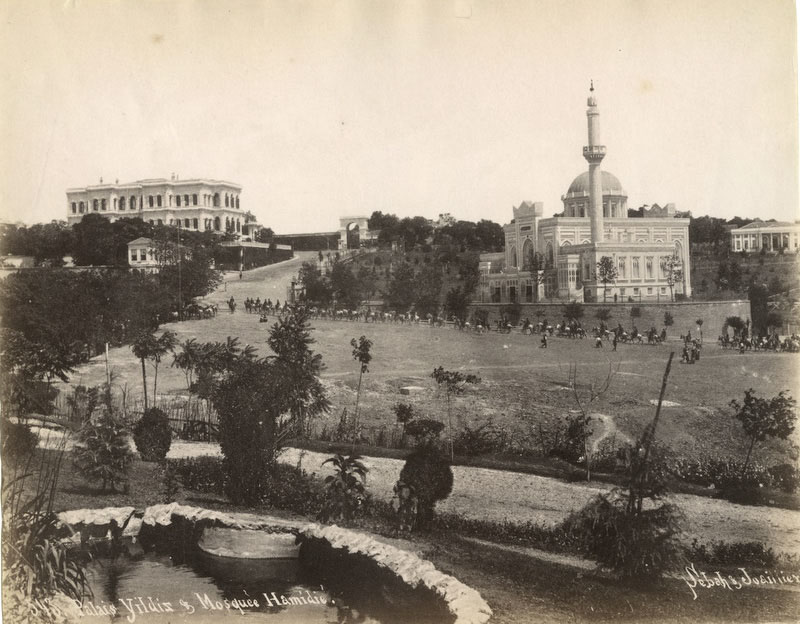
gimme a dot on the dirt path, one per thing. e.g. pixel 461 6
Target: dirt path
pixel 485 494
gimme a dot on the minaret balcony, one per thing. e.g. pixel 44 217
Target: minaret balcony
pixel 594 152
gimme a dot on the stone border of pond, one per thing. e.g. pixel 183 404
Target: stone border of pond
pixel 463 602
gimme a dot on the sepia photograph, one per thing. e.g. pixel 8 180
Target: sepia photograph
pixel 399 311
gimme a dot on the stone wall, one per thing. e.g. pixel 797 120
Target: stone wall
pixel 684 314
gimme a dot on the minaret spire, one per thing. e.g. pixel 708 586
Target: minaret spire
pixel 594 153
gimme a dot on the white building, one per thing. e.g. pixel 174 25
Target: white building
pixel 770 235
pixel 199 204
pixel 650 253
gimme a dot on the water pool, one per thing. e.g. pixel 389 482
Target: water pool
pixel 322 586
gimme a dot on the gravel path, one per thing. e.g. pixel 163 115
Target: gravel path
pixel 486 494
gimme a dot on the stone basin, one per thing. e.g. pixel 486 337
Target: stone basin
pixel 248 543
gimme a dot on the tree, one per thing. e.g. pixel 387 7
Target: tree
pixel 635 313
pixel 147 347
pixel 673 271
pixel 345 286
pixel 361 353
pixel 290 339
pixel 764 418
pixel 430 477
pixel 603 314
pixel 428 287
pixel 606 273
pixel 344 490
pixel 317 289
pixel 401 288
pixel 573 311
pixel 454 383
pixel 668 319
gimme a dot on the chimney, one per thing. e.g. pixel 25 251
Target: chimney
pixel 101 179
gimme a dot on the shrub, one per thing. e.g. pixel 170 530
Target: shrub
pixel 753 554
pixel 291 488
pixel 786 477
pixel 103 452
pixel 201 474
pixel 481 440
pixel 18 441
pixel 152 435
pixel 430 476
pixel 424 430
pixel 637 546
pixel 344 490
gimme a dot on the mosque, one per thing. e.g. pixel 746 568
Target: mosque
pixel 556 258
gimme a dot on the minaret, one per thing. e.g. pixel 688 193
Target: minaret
pixel 594 154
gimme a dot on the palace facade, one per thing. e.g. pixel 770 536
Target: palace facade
pixel 771 236
pixel 197 204
pixel 557 258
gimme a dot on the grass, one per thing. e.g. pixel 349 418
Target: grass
pixel 519 584
pixel 522 385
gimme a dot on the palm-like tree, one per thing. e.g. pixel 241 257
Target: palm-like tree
pixel 147 347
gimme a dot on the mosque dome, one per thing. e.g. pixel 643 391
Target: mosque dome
pixel 611 185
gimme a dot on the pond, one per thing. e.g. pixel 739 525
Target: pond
pixel 189 585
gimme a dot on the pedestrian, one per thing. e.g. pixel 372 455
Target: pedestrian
pixel 614 342
pixel 544 342
pixel 598 342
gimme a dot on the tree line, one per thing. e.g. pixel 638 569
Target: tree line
pixel 412 231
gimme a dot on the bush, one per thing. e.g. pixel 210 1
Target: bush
pixel 200 474
pixel 424 430
pixel 753 554
pixel 103 452
pixel 18 442
pixel 635 546
pixel 344 490
pixel 152 435
pixel 291 488
pixel 786 477
pixel 482 440
pixel 429 474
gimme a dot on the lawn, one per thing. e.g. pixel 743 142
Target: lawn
pixel 522 385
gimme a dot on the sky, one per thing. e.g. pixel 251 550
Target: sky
pixel 322 109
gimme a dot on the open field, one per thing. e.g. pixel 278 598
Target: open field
pixel 522 385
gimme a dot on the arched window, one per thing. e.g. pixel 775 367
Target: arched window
pixel 81 207
pixel 94 205
pixel 549 254
pixel 122 203
pixel 237 201
pixel 74 208
pixel 194 199
pixel 178 200
pixel 226 200
pixel 102 204
pixel 133 202
pixel 187 223
pixel 238 225
pixel 151 222
pixel 216 201
pixel 186 200
pixel 158 201
pixel 527 254
pixel 194 221
pixel 160 222
pixel 115 203
pixel 216 222
pixel 512 259
pixel 150 201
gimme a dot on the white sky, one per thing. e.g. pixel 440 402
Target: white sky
pixel 321 109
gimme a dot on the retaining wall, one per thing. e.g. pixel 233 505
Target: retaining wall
pixel 684 314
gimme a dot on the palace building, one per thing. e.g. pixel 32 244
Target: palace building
pixel 771 236
pixel 198 204
pixel 556 258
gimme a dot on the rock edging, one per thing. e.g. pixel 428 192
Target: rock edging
pixel 465 603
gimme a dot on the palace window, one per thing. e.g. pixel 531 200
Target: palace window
pixel 80 206
pixel 150 200
pixel 194 199
pixel 649 268
pixel 649 291
pixel 143 255
pixel 158 201
pixel 194 222
pixel 177 200
pixel 621 268
pixel 102 204
pixel 635 267
pixel 186 223
pixel 160 222
pixel 122 203
pixel 133 255
pixel 186 200
pixel 74 208
pixel 94 205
